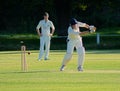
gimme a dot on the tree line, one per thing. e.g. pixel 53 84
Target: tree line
pixel 22 16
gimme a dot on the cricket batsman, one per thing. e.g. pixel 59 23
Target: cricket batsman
pixel 75 40
pixel 47 30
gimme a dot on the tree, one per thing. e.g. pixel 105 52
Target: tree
pixel 23 15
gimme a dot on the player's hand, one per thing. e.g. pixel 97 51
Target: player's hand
pixel 87 26
pixel 51 34
pixel 40 35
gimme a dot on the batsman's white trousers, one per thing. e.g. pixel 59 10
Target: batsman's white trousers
pixel 80 50
pixel 44 42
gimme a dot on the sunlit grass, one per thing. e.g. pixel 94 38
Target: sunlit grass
pixel 101 72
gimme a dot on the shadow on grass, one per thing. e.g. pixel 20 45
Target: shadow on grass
pixel 34 71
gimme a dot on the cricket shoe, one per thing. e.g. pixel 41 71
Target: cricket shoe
pixel 80 68
pixel 39 59
pixel 62 68
pixel 46 59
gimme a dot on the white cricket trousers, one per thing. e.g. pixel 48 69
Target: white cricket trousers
pixel 44 43
pixel 80 50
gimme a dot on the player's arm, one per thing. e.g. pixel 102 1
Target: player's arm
pixel 80 24
pixel 91 29
pixel 38 32
pixel 84 32
pixel 37 29
pixel 52 29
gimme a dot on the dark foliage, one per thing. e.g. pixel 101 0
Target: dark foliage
pixel 22 16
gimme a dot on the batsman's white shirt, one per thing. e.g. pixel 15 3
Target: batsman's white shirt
pixel 74 37
pixel 74 34
pixel 45 27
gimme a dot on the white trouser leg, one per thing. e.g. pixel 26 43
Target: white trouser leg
pixel 81 56
pixel 66 59
pixel 42 42
pixel 68 55
pixel 47 47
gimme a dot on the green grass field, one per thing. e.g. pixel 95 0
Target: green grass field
pixel 101 72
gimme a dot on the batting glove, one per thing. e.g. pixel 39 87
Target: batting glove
pixel 92 28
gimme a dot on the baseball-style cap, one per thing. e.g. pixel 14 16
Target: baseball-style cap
pixel 46 14
pixel 73 21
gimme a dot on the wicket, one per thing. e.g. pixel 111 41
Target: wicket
pixel 23 59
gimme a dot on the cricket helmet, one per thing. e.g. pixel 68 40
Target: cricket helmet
pixel 73 21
